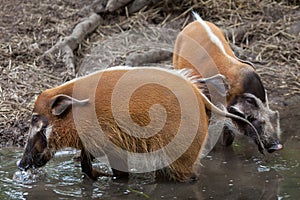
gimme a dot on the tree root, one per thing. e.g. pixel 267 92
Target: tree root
pixel 69 43
pixel 133 5
pixel 113 5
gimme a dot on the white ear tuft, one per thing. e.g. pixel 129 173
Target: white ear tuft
pixel 237 111
pixel 60 103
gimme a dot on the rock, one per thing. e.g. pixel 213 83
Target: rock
pixel 294 28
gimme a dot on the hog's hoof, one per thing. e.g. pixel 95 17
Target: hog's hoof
pixel 120 174
pixel 95 174
pixel 193 178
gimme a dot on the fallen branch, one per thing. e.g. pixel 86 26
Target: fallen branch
pixel 113 5
pixel 98 6
pixel 151 56
pixel 139 4
pixel 133 5
pixel 68 44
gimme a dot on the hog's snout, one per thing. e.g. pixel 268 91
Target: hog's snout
pixel 23 166
pixel 274 147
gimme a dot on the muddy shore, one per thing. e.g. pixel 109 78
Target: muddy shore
pixel 265 33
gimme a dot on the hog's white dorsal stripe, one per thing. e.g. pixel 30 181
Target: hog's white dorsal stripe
pixel 183 73
pixel 210 34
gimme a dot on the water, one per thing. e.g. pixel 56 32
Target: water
pixel 239 172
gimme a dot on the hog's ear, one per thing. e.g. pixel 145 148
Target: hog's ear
pixel 252 84
pixel 60 103
pixel 219 82
pixel 275 120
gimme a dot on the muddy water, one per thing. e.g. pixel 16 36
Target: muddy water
pixel 239 172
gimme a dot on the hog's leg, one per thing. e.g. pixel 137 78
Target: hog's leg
pixel 86 166
pixel 227 135
pixel 121 162
pixel 182 170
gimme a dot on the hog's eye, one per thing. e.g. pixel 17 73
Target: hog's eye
pixel 34 119
pixel 250 101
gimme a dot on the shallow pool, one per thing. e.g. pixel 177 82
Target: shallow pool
pixel 237 172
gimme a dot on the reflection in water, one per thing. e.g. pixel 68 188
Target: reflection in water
pixel 239 172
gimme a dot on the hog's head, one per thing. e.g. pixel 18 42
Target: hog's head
pixel 36 153
pixel 50 129
pixel 265 121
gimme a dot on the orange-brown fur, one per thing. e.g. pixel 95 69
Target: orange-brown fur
pixel 194 49
pixel 65 133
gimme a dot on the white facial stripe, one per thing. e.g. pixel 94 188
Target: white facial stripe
pixel 36 127
pixel 33 130
pixel 183 73
pixel 48 132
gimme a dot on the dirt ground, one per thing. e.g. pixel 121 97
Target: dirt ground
pixel 264 32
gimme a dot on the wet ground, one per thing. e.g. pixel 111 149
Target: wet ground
pixel 239 172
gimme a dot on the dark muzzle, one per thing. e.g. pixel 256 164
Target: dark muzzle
pixel 275 147
pixel 23 166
